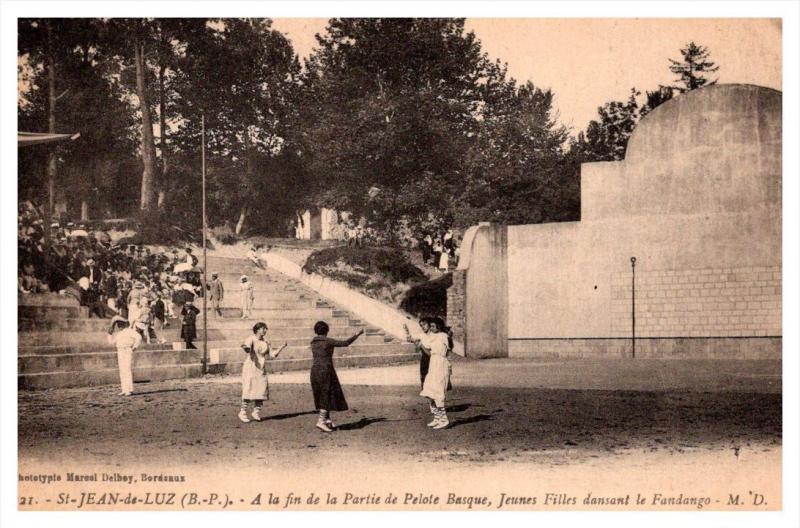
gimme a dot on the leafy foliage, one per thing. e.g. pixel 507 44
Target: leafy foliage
pixel 428 298
pixel 693 68
pixel 606 138
pixel 429 129
pixel 387 262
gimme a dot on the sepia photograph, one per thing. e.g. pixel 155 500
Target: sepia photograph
pixel 399 263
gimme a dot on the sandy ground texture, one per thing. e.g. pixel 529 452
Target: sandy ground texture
pixel 612 423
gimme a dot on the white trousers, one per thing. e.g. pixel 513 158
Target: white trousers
pixel 125 360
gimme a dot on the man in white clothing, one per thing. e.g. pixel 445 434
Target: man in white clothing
pixel 127 340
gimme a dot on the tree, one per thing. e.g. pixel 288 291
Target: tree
pixel 655 99
pixel 96 167
pixel 241 75
pixel 607 138
pixel 694 67
pixel 516 167
pixel 385 127
pixel 129 44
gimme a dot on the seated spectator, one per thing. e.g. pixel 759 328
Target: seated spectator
pixel 28 283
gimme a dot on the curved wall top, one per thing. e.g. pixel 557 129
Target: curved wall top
pixel 712 150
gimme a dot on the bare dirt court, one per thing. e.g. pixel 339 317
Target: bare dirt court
pixel 628 421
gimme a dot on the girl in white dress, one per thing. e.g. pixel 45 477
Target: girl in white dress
pixel 435 342
pixel 255 386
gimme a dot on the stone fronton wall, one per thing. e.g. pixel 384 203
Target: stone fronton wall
pixel 707 302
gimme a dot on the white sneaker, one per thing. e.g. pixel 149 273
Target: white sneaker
pixel 322 426
pixel 433 422
pixel 243 416
pixel 330 423
pixel 256 415
pixel 442 423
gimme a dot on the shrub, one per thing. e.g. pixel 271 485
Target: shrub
pixel 225 235
pixel 391 264
pixel 428 298
pixel 381 273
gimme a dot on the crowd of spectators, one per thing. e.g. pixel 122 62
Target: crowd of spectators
pixel 440 250
pixel 125 282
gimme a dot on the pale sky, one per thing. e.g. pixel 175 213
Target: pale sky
pixel 587 62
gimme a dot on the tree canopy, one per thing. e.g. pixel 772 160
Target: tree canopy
pixel 407 123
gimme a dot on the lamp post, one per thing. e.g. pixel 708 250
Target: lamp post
pixel 633 307
pixel 205 256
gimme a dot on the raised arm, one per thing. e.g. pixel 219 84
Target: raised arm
pixel 416 341
pixel 346 342
pixel 278 352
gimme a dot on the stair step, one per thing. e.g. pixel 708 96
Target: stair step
pixel 110 376
pixel 172 334
pixel 59 346
pixel 88 361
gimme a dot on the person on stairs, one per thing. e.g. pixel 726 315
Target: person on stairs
pixel 248 296
pixel 328 394
pixel 216 291
pixel 189 323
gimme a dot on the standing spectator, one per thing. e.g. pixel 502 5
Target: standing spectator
pixel 145 319
pixel 191 259
pixel 159 317
pixel 360 235
pixel 444 261
pixel 447 241
pixel 216 292
pixel 93 273
pixel 134 301
pixel 110 283
pixel 425 247
pixel 437 251
pixel 189 323
pixel 248 297
pixel 352 235
pixel 127 340
pixel 170 312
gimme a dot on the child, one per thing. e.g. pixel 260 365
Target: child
pixel 328 395
pixel 436 382
pixel 255 386
pixel 189 323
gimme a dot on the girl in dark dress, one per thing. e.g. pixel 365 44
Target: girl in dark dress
pixel 328 395
pixel 188 324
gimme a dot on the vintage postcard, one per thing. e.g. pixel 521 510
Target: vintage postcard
pixel 479 264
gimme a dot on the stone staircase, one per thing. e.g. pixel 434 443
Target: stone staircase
pixel 59 346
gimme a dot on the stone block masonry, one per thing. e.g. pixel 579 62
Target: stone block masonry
pixel 703 302
pixel 456 305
